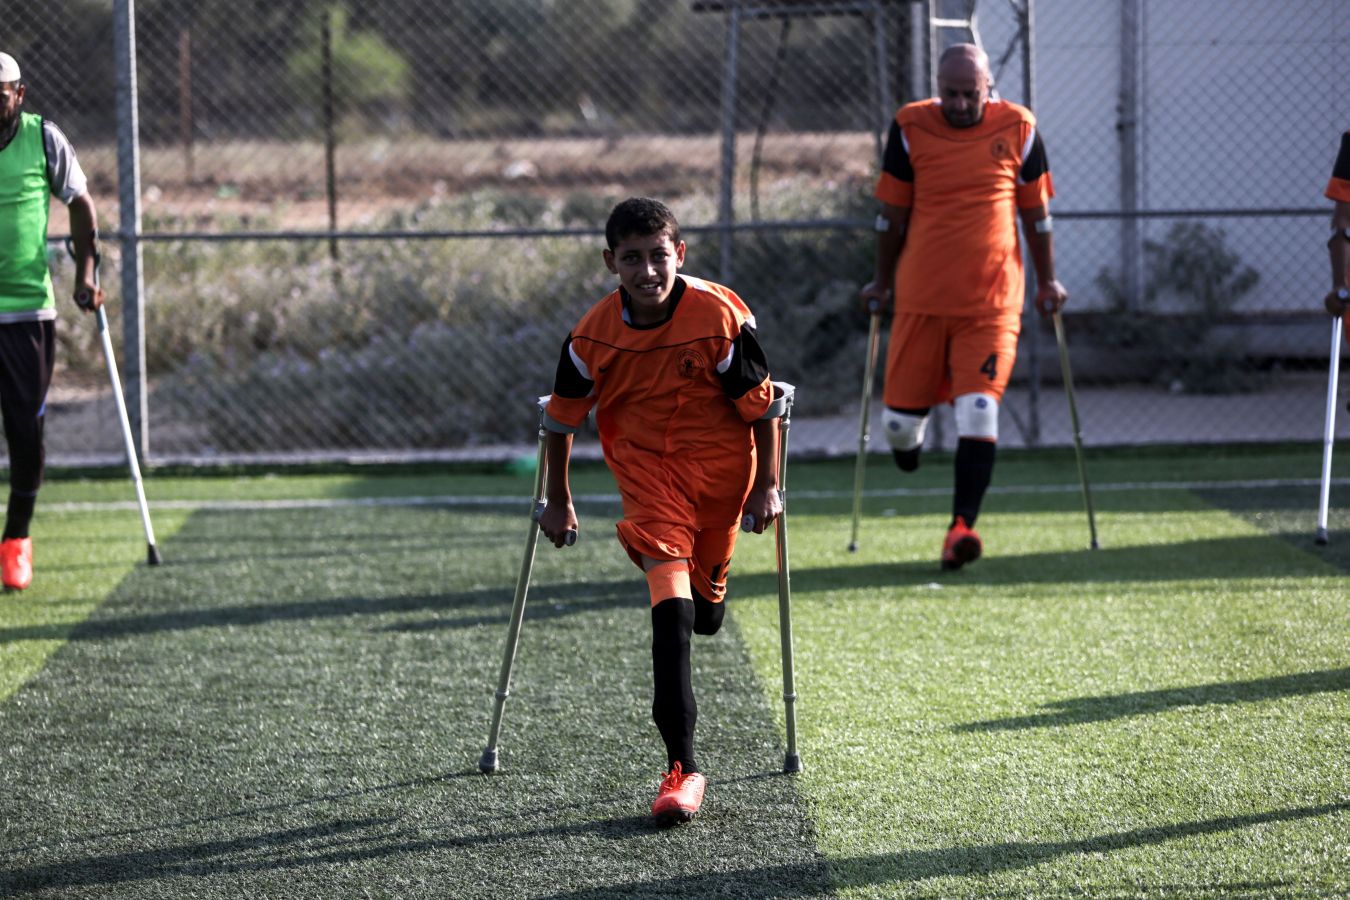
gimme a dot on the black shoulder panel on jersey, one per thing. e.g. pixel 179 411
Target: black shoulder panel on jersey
pixel 1342 169
pixel 749 366
pixel 569 382
pixel 1037 163
pixel 896 161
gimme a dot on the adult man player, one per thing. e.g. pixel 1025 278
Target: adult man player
pixel 36 161
pixel 958 170
pixel 1338 189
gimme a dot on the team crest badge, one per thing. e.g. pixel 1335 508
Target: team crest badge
pixel 691 364
pixel 999 148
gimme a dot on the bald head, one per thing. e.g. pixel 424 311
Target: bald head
pixel 963 84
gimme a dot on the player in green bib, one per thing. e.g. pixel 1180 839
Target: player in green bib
pixel 36 163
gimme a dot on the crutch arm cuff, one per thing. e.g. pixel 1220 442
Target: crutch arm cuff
pixel 782 400
pixel 557 427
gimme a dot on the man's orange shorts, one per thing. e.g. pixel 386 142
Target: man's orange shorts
pixel 932 359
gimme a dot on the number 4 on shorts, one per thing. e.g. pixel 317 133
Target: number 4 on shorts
pixel 990 367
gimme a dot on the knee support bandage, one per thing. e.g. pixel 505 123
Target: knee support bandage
pixel 904 431
pixel 977 416
pixel 669 579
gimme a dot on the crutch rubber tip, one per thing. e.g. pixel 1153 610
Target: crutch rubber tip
pixel 792 764
pixel 570 537
pixel 152 555
pixel 1095 546
pixel 1321 539
pixel 487 763
pixel 747 522
pixel 853 547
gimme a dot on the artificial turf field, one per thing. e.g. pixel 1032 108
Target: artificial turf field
pixel 295 703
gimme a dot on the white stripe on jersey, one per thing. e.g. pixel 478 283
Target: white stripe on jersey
pixel 1026 151
pixel 581 366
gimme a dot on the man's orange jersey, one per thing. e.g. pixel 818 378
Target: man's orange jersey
pixel 1338 188
pixel 673 401
pixel 961 255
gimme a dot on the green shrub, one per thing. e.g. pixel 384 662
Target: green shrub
pixel 1192 282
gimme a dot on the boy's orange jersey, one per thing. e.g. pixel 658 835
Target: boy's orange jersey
pixel 964 186
pixel 1338 188
pixel 673 401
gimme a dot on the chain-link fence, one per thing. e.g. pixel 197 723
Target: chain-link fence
pixel 368 227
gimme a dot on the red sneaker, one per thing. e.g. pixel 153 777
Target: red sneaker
pixel 16 563
pixel 679 797
pixel 961 546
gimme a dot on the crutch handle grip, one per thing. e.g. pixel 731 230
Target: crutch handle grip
pixel 570 537
pixel 84 298
pixel 748 522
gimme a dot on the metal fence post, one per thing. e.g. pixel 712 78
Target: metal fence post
pixel 129 206
pixel 726 211
pixel 1128 129
pixel 1033 435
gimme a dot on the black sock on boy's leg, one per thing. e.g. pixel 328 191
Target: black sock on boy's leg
pixel 707 614
pixel 673 706
pixel 19 514
pixel 974 470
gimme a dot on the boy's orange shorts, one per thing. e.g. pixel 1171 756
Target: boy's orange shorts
pixel 932 359
pixel 701 529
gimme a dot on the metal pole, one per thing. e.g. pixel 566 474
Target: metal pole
pixel 792 761
pixel 1077 432
pixel 329 138
pixel 1329 434
pixel 1127 128
pixel 864 412
pixel 1033 434
pixel 726 212
pixel 884 107
pixel 129 207
pixel 185 99
pixel 918 50
pixel 487 763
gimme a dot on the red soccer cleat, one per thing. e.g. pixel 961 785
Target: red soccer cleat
pixel 16 563
pixel 679 797
pixel 961 546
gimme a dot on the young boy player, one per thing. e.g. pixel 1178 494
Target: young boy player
pixel 680 389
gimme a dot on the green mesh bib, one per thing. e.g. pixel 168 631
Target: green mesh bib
pixel 25 198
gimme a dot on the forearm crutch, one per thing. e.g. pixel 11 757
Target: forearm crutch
pixel 1329 433
pixel 860 466
pixel 792 762
pixel 487 763
pixel 129 443
pixel 1073 417
pixel 782 410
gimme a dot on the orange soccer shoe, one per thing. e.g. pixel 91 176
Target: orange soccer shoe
pixel 961 546
pixel 679 797
pixel 16 563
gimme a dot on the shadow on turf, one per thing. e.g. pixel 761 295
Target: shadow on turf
pixel 1079 710
pixel 1219 558
pixel 253 811
pixel 1238 557
pixel 339 842
pixel 915 865
pixel 544 602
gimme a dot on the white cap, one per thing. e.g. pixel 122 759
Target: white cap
pixel 9 69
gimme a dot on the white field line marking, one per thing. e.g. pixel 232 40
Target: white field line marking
pixel 509 500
